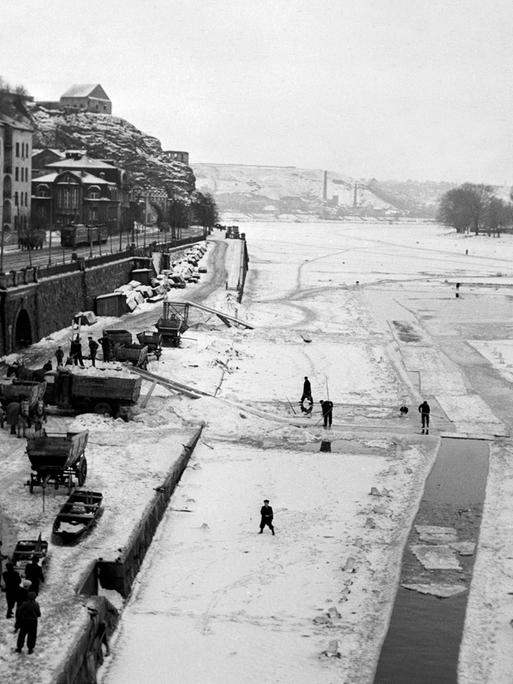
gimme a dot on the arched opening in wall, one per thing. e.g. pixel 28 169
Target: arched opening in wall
pixel 22 330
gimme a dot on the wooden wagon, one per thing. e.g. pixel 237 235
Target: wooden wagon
pixel 136 354
pixel 26 549
pixel 153 340
pixel 58 459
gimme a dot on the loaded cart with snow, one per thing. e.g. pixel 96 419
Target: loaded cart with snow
pixel 57 459
pixel 106 392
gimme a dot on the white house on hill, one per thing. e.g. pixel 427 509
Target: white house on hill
pixel 86 98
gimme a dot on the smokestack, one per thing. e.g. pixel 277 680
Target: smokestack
pixel 325 186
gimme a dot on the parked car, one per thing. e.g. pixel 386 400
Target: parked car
pixel 177 281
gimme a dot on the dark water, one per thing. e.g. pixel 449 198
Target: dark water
pixel 424 635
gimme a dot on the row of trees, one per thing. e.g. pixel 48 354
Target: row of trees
pixel 200 211
pixel 471 207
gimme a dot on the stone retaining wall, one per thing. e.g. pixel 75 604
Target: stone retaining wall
pixel 87 652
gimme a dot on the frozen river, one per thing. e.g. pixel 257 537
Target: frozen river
pixel 369 313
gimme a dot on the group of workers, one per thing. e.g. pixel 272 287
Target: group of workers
pixel 327 408
pixel 76 358
pixel 21 595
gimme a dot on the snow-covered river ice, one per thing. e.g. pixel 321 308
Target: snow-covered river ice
pixel 368 312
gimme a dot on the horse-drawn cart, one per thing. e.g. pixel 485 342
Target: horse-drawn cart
pixel 77 516
pixel 57 459
pixel 18 390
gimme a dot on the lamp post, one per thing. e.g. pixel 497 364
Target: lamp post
pixel 145 218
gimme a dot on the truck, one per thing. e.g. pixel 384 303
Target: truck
pixel 105 392
pixel 80 234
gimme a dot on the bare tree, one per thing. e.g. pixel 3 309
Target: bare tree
pixel 464 208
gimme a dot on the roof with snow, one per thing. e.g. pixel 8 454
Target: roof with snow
pixel 86 90
pixel 84 162
pixel 84 177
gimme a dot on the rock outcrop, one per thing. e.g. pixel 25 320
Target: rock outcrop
pixel 109 137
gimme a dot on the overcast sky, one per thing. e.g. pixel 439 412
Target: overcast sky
pixel 417 89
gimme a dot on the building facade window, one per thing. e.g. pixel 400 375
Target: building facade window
pixel 17 149
pixel 93 192
pixel 42 190
pixel 15 199
pixel 16 173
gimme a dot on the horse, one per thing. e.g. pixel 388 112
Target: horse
pixel 38 417
pixel 21 372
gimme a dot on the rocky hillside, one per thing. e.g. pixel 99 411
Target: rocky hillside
pixel 283 192
pixel 109 137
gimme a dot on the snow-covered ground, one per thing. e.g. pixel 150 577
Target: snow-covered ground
pixel 369 313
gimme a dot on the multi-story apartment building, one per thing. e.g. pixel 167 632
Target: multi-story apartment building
pixel 16 164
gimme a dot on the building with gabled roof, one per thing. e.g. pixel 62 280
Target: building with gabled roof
pixel 86 97
pixel 60 198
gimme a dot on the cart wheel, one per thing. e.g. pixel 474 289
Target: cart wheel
pixel 103 408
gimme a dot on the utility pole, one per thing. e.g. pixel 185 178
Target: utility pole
pixel 1 242
pixel 50 249
pixel 145 217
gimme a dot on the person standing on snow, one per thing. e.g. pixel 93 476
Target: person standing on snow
pixel 424 411
pixel 266 517
pixel 34 573
pixel 106 347
pixel 327 412
pixel 93 349
pixel 307 391
pixel 12 584
pixel 26 620
pixel 59 355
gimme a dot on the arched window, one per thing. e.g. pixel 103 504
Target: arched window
pixel 42 190
pixel 93 192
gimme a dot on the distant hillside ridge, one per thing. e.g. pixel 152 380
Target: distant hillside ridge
pixel 277 191
pixel 109 137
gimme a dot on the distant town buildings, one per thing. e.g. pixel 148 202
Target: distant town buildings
pixel 86 98
pixel 15 158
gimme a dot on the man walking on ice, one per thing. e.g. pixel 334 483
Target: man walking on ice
pixel 424 411
pixel 266 517
pixel 307 391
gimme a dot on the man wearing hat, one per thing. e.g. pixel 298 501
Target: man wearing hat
pixel 12 583
pixel 93 349
pixel 26 619
pixel 266 517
